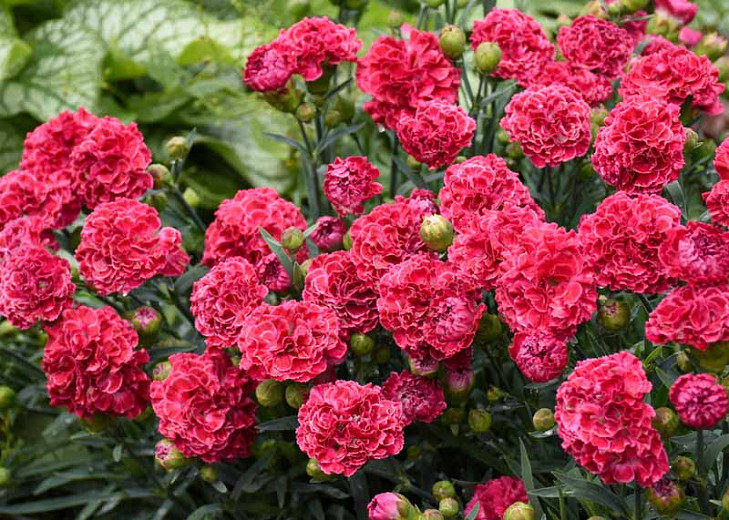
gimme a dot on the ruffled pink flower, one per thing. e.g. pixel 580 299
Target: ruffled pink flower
pixel 22 194
pixel 273 274
pixel 597 45
pixel 697 254
pixel 546 283
pixel 329 233
pixel 640 147
pixel 717 202
pixel 269 67
pixel 495 496
pixel 294 341
pixel 721 160
pixel 552 124
pixel 691 315
pixel 400 74
pixel 436 132
pixel 675 75
pixel 111 163
pixel 525 48
pixel 593 88
pixel 344 425
pixel 204 407
pixel 699 399
pixel 431 312
pixel 605 424
pixel 349 183
pixel 478 186
pixel 332 281
pixel 122 246
pixel 622 239
pixel 681 9
pixel 223 298
pixel 422 398
pixel 539 356
pixel 92 364
pixel 26 231
pixel 34 285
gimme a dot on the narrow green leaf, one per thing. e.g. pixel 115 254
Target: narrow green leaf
pixel 336 135
pixel 250 475
pixel 206 512
pixel 287 140
pixel 510 87
pixel 527 477
pixel 278 250
pixel 56 504
pixel 714 448
pixel 474 512
pixel 279 425
pixel 587 490
pixel 360 494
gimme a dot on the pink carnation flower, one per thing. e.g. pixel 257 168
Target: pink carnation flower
pixel 700 400
pixel 593 88
pixel 349 183
pixel 595 44
pixel 539 356
pixel 717 202
pixel 269 67
pixel 697 254
pixel 495 496
pixel 422 398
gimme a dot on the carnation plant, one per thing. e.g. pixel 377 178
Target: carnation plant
pixel 496 289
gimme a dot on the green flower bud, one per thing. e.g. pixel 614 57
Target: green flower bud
pixel 269 393
pixel 296 394
pixel 305 265
pixel 332 118
pixel 615 9
pixel 431 514
pixel 147 322
pixel 613 315
pixel 452 41
pixel 161 371
pixel 191 197
pixel 683 362
pixel 361 344
pixel 347 241
pixel 519 511
pixel 479 421
pixel 715 358
pixel 160 173
pixel 305 112
pixel 666 422
pixel 7 397
pixel 449 507
pixel 209 473
pixel 169 457
pixel 489 329
pixel 665 25
pixel 666 496
pixel 97 423
pixel 502 136
pixel 488 57
pixel 443 489
pixel 684 468
pixel 292 239
pixel 5 477
pixel 314 471
pixel 345 107
pixel 712 46
pixel 543 419
pixel 633 6
pixel 177 148
pixel 414 452
pixel 433 4
pixel 454 415
pixel 7 329
pixel 594 7
pixel 158 200
pixel 413 163
pixel 692 141
pixel 494 394
pixel 395 19
pixel 286 100
pixel 437 232
pixel 382 355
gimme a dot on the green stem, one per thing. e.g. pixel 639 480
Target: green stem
pixel 393 168
pixel 177 194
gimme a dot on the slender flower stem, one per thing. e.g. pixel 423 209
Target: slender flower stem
pixel 312 182
pixel 638 509
pixel 177 194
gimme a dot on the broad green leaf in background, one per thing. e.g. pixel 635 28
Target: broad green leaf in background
pixel 11 142
pixel 14 52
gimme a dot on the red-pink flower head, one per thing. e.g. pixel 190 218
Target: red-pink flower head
pixel 697 254
pixel 605 424
pixel 552 124
pixel 111 163
pixel 640 147
pixel 691 315
pixel 344 425
pixel 122 246
pixel 675 75
pixel 329 233
pixel 495 496
pixel 429 309
pixel 400 74
pixel 721 160
pixel 273 274
pixel 294 341
pixel 422 399
pixel 597 45
pixel 701 402
pixel 546 283
pixel 26 231
pixel 204 407
pixel 222 299
pixel 332 281
pixel 622 238
pixel 34 285
pixel 349 183
pixel 22 194
pixel 684 10
pixel 717 202
pixel 525 48
pixel 480 185
pixel 269 67
pixel 593 88
pixel 92 364
pixel 540 356
pixel 436 132
pixel 690 37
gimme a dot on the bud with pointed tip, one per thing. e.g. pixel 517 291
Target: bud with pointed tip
pixel 269 393
pixel 361 344
pixel 169 457
pixel 666 422
pixel 449 507
pixel 177 148
pixel 389 506
pixel 488 57
pixel 161 371
pixel 147 322
pixel 543 419
pixel 209 473
pixel 479 421
pixel 443 489
pixel 292 239
pixel 458 385
pixel 296 394
pixel 437 232
pixel 692 141
pixel 7 397
pixel 666 496
pixel 684 468
pixel 519 511
pixel 452 41
pixel 613 315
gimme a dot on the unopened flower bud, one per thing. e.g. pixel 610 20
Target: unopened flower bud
pixel 169 457
pixel 715 358
pixel 431 514
pixel 594 7
pixel 286 100
pixel 449 507
pixel 519 511
pixel 382 355
pixel 332 118
pixel 209 473
pixel 160 173
pixel 488 57
pixel 494 394
pixel 489 329
pixel 712 46
pixel 7 329
pixel 692 141
pixel 453 415
pixel 146 321
pixel 563 21
pixel 158 200
pixel 389 506
pixel 664 24
pixel 458 385
pixel 665 421
pixel 269 393
pixel 161 371
pixel 305 112
pixel 414 452
pixel 616 9
pixel 502 136
pixel 633 6
pixel 684 468
pixel 683 362
pixel 395 19
pixel 433 4
pixel 313 469
pixel 413 163
pixel 347 241
pixel 452 41
pixel 543 419
pixel 613 315
pixel 437 232
pixel 292 239
pixel 666 496
pixel 361 344
pixel 443 489
pixel 177 148
pixel 5 477
pixel 7 397
pixel 191 197
pixel 479 421
pixel 296 394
